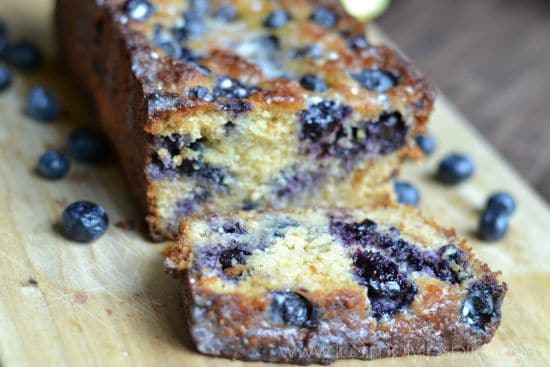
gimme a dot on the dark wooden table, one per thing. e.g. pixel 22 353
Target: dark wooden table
pixel 492 59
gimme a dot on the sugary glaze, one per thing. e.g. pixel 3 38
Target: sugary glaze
pixel 257 104
pixel 383 280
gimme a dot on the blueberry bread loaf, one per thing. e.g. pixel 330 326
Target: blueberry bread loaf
pixel 315 285
pixel 238 104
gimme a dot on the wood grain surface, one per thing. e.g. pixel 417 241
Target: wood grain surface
pixel 110 303
pixel 492 58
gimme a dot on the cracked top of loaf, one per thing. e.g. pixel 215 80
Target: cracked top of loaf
pixel 200 57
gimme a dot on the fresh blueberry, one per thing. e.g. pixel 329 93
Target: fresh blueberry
pixel 313 83
pixel 407 193
pixel 493 224
pixel 325 17
pixel 482 305
pixel 231 257
pixel 5 78
pixel 389 291
pixel 277 18
pixel 3 38
pixel 202 93
pixel 358 42
pixel 502 202
pixel 88 145
pixel 42 104
pixel 427 143
pixel 377 80
pixel 292 308
pixel 455 168
pixel 314 51
pixel 84 221
pixel 323 118
pixel 53 165
pixel 139 10
pixel 24 56
pixel 353 233
pixel 226 13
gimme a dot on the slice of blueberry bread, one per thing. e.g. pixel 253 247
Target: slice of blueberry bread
pixel 312 285
pixel 226 105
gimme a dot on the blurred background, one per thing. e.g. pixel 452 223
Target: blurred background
pixel 492 59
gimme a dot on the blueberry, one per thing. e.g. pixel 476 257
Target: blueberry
pixel 427 143
pixel 277 18
pixel 226 13
pixel 325 17
pixel 139 10
pixel 407 193
pixel 313 83
pixel 501 202
pixel 88 145
pixel 233 228
pixel 24 56
pixel 455 168
pixel 449 264
pixel 42 104
pixel 202 93
pixel 389 291
pixel 84 221
pixel 493 224
pixel 387 134
pixel 314 51
pixel 353 233
pixel 53 165
pixel 357 42
pixel 323 118
pixel 231 257
pixel 377 80
pixel 292 308
pixel 482 305
pixel 5 78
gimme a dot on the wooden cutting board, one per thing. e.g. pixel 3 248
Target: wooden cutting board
pixel 110 303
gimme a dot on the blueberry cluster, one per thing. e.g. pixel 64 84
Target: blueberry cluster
pixel 389 291
pixel 493 224
pixel 482 305
pixel 325 128
pixel 163 166
pixel 381 256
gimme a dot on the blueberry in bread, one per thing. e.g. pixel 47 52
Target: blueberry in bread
pixel 315 285
pixel 221 105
